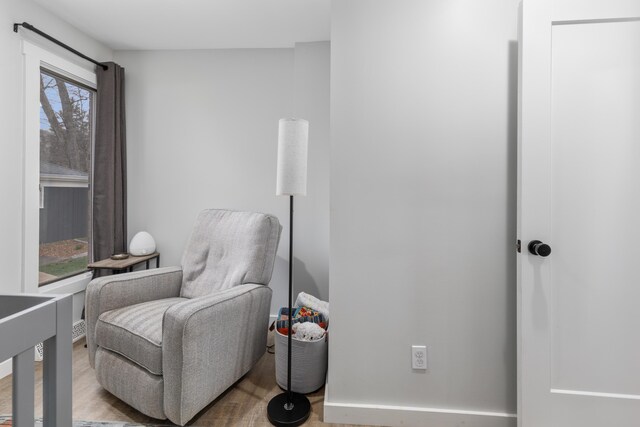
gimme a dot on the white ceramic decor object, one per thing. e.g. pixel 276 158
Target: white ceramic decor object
pixel 142 244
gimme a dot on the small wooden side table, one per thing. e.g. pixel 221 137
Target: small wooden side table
pixel 124 265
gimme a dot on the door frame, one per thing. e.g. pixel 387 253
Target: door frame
pixel 534 39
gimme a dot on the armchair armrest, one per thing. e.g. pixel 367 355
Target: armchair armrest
pixel 208 343
pixel 111 292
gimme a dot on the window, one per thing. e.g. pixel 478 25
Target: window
pixel 66 141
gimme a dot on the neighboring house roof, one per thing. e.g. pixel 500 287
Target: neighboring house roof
pixel 55 175
pixel 53 169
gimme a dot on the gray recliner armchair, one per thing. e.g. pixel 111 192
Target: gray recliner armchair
pixel 169 341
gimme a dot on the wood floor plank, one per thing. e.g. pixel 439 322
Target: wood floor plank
pixel 244 404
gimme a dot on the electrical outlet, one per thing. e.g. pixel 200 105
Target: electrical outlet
pixel 419 356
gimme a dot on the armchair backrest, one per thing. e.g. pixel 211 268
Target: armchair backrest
pixel 229 248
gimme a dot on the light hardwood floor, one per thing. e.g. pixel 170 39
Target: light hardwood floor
pixel 244 404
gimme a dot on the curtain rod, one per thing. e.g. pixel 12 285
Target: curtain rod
pixel 56 41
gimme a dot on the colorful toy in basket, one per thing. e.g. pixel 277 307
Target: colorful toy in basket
pixel 300 315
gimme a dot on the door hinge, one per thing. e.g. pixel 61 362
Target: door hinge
pixel 518 246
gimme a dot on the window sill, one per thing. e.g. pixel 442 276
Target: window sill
pixel 70 285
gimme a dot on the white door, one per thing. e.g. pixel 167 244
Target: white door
pixel 579 193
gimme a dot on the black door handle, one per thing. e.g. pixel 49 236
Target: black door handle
pixel 536 247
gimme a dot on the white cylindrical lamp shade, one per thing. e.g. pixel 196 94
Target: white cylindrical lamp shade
pixel 293 140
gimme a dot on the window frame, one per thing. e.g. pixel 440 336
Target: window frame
pixel 48 183
pixel 35 59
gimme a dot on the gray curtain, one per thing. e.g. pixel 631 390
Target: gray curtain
pixel 110 165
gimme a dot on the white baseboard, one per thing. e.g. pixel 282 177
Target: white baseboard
pixel 5 368
pixel 391 415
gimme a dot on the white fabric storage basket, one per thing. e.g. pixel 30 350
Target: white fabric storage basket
pixel 308 363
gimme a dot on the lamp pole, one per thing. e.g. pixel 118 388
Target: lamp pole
pixel 289 333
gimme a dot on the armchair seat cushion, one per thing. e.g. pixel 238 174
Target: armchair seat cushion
pixel 135 332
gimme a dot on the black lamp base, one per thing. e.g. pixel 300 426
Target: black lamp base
pixel 279 416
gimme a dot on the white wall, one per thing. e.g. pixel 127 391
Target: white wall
pixel 311 231
pixel 202 131
pixel 423 212
pixel 12 124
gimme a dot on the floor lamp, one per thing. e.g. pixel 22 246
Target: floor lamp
pixel 289 408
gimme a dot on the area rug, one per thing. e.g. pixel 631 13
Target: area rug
pixel 6 421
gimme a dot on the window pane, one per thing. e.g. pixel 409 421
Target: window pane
pixel 66 120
